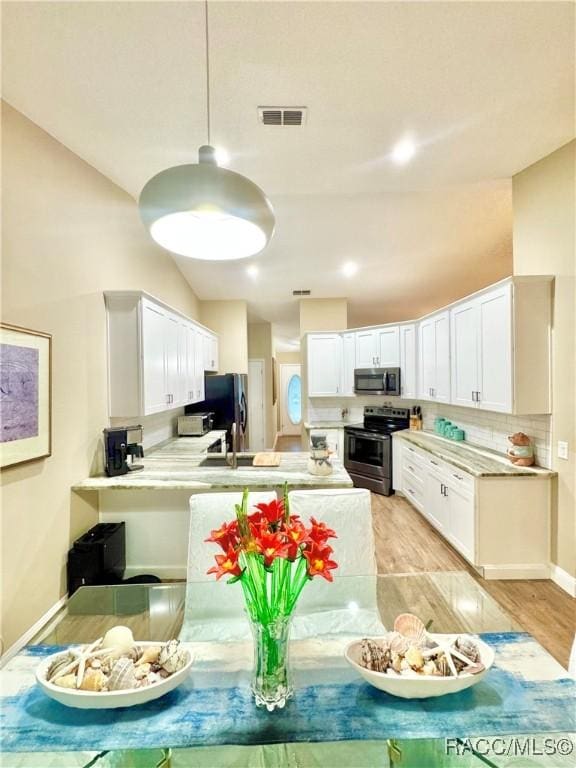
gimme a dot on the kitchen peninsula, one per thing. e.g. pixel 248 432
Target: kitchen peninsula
pixel 157 520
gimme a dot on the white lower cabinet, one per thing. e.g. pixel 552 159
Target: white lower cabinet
pixel 444 495
pixel 499 523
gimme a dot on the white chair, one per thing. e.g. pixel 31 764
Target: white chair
pixel 348 605
pixel 213 612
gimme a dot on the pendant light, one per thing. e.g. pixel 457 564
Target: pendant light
pixel 204 211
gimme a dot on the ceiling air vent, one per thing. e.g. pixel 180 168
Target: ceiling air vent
pixel 301 293
pixel 282 116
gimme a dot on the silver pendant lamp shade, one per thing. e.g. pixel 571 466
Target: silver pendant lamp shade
pixel 204 211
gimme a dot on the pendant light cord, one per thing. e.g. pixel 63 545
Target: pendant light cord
pixel 207 72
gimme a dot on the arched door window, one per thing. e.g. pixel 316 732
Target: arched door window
pixel 294 395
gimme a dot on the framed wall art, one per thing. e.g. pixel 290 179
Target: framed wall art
pixel 25 395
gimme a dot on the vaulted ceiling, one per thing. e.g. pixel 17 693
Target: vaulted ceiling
pixel 484 89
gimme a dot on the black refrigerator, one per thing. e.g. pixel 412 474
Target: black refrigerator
pixel 226 396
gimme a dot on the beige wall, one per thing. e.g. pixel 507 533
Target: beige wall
pixel 260 348
pixel 323 315
pixel 288 358
pixel 544 237
pixel 229 319
pixel 68 234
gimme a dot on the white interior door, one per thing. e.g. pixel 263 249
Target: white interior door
pixel 291 400
pixel 256 411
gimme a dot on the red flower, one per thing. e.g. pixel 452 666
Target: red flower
pixel 320 533
pixel 271 545
pixel 319 563
pixel 226 565
pixel 226 536
pixel 272 512
pixel 297 534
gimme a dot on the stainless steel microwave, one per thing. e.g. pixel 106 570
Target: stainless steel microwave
pixel 377 381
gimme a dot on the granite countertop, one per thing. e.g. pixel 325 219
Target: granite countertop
pixel 326 424
pixel 480 462
pixel 175 465
pixel 184 446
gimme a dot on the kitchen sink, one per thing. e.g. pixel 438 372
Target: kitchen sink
pixel 220 461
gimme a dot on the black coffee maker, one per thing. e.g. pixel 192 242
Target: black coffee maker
pixel 119 443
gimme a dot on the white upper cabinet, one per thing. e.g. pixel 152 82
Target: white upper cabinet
pixel 481 332
pixel 495 371
pixel 378 347
pixel 464 331
pixel 348 362
pixel 366 348
pixel 388 347
pixel 324 368
pixel 155 356
pixel 434 358
pixel 210 351
pixel 408 360
pixel 153 361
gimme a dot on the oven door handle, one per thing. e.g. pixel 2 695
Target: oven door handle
pixel 361 436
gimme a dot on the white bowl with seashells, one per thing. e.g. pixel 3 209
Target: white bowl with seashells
pixel 411 663
pixel 114 671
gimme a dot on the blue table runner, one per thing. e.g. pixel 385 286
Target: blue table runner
pixel 512 699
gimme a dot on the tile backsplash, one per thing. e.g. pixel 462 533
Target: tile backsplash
pixel 486 429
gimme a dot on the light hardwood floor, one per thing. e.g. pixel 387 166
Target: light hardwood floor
pixel 407 543
pixel 288 444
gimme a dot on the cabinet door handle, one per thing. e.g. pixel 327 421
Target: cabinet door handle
pixel 458 477
pixel 477 397
pixel 442 489
pixel 434 462
pixel 411 469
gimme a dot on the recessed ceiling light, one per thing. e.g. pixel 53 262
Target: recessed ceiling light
pixel 222 156
pixel 349 269
pixel 404 151
pixel 252 271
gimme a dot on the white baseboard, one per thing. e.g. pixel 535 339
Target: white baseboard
pixel 34 629
pixel 162 571
pixel 517 571
pixel 563 579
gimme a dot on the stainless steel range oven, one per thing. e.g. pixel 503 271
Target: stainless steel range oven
pixel 368 447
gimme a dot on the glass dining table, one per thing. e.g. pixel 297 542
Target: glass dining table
pixel 521 714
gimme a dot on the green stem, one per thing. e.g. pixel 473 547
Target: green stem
pixel 300 578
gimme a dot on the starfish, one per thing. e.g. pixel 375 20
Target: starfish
pixel 446 645
pixel 81 657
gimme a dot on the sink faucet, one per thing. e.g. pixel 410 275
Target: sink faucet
pixel 233 462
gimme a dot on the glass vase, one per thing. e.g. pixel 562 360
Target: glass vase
pixel 271 679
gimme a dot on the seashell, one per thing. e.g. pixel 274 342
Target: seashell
pixel 60 664
pixel 398 643
pixel 95 663
pixel 443 666
pixel 396 662
pixel 94 680
pixel 430 668
pixel 469 649
pixel 141 671
pixel 414 657
pixel 66 681
pixel 153 677
pixel 163 674
pixel 172 657
pixel 374 656
pixel 412 627
pixel 118 638
pixel 149 655
pixel 122 675
pixel 474 669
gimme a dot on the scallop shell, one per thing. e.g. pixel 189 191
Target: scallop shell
pixel 118 638
pixel 66 681
pixel 122 675
pixel 443 666
pixel 412 627
pixel 172 657
pixel 94 680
